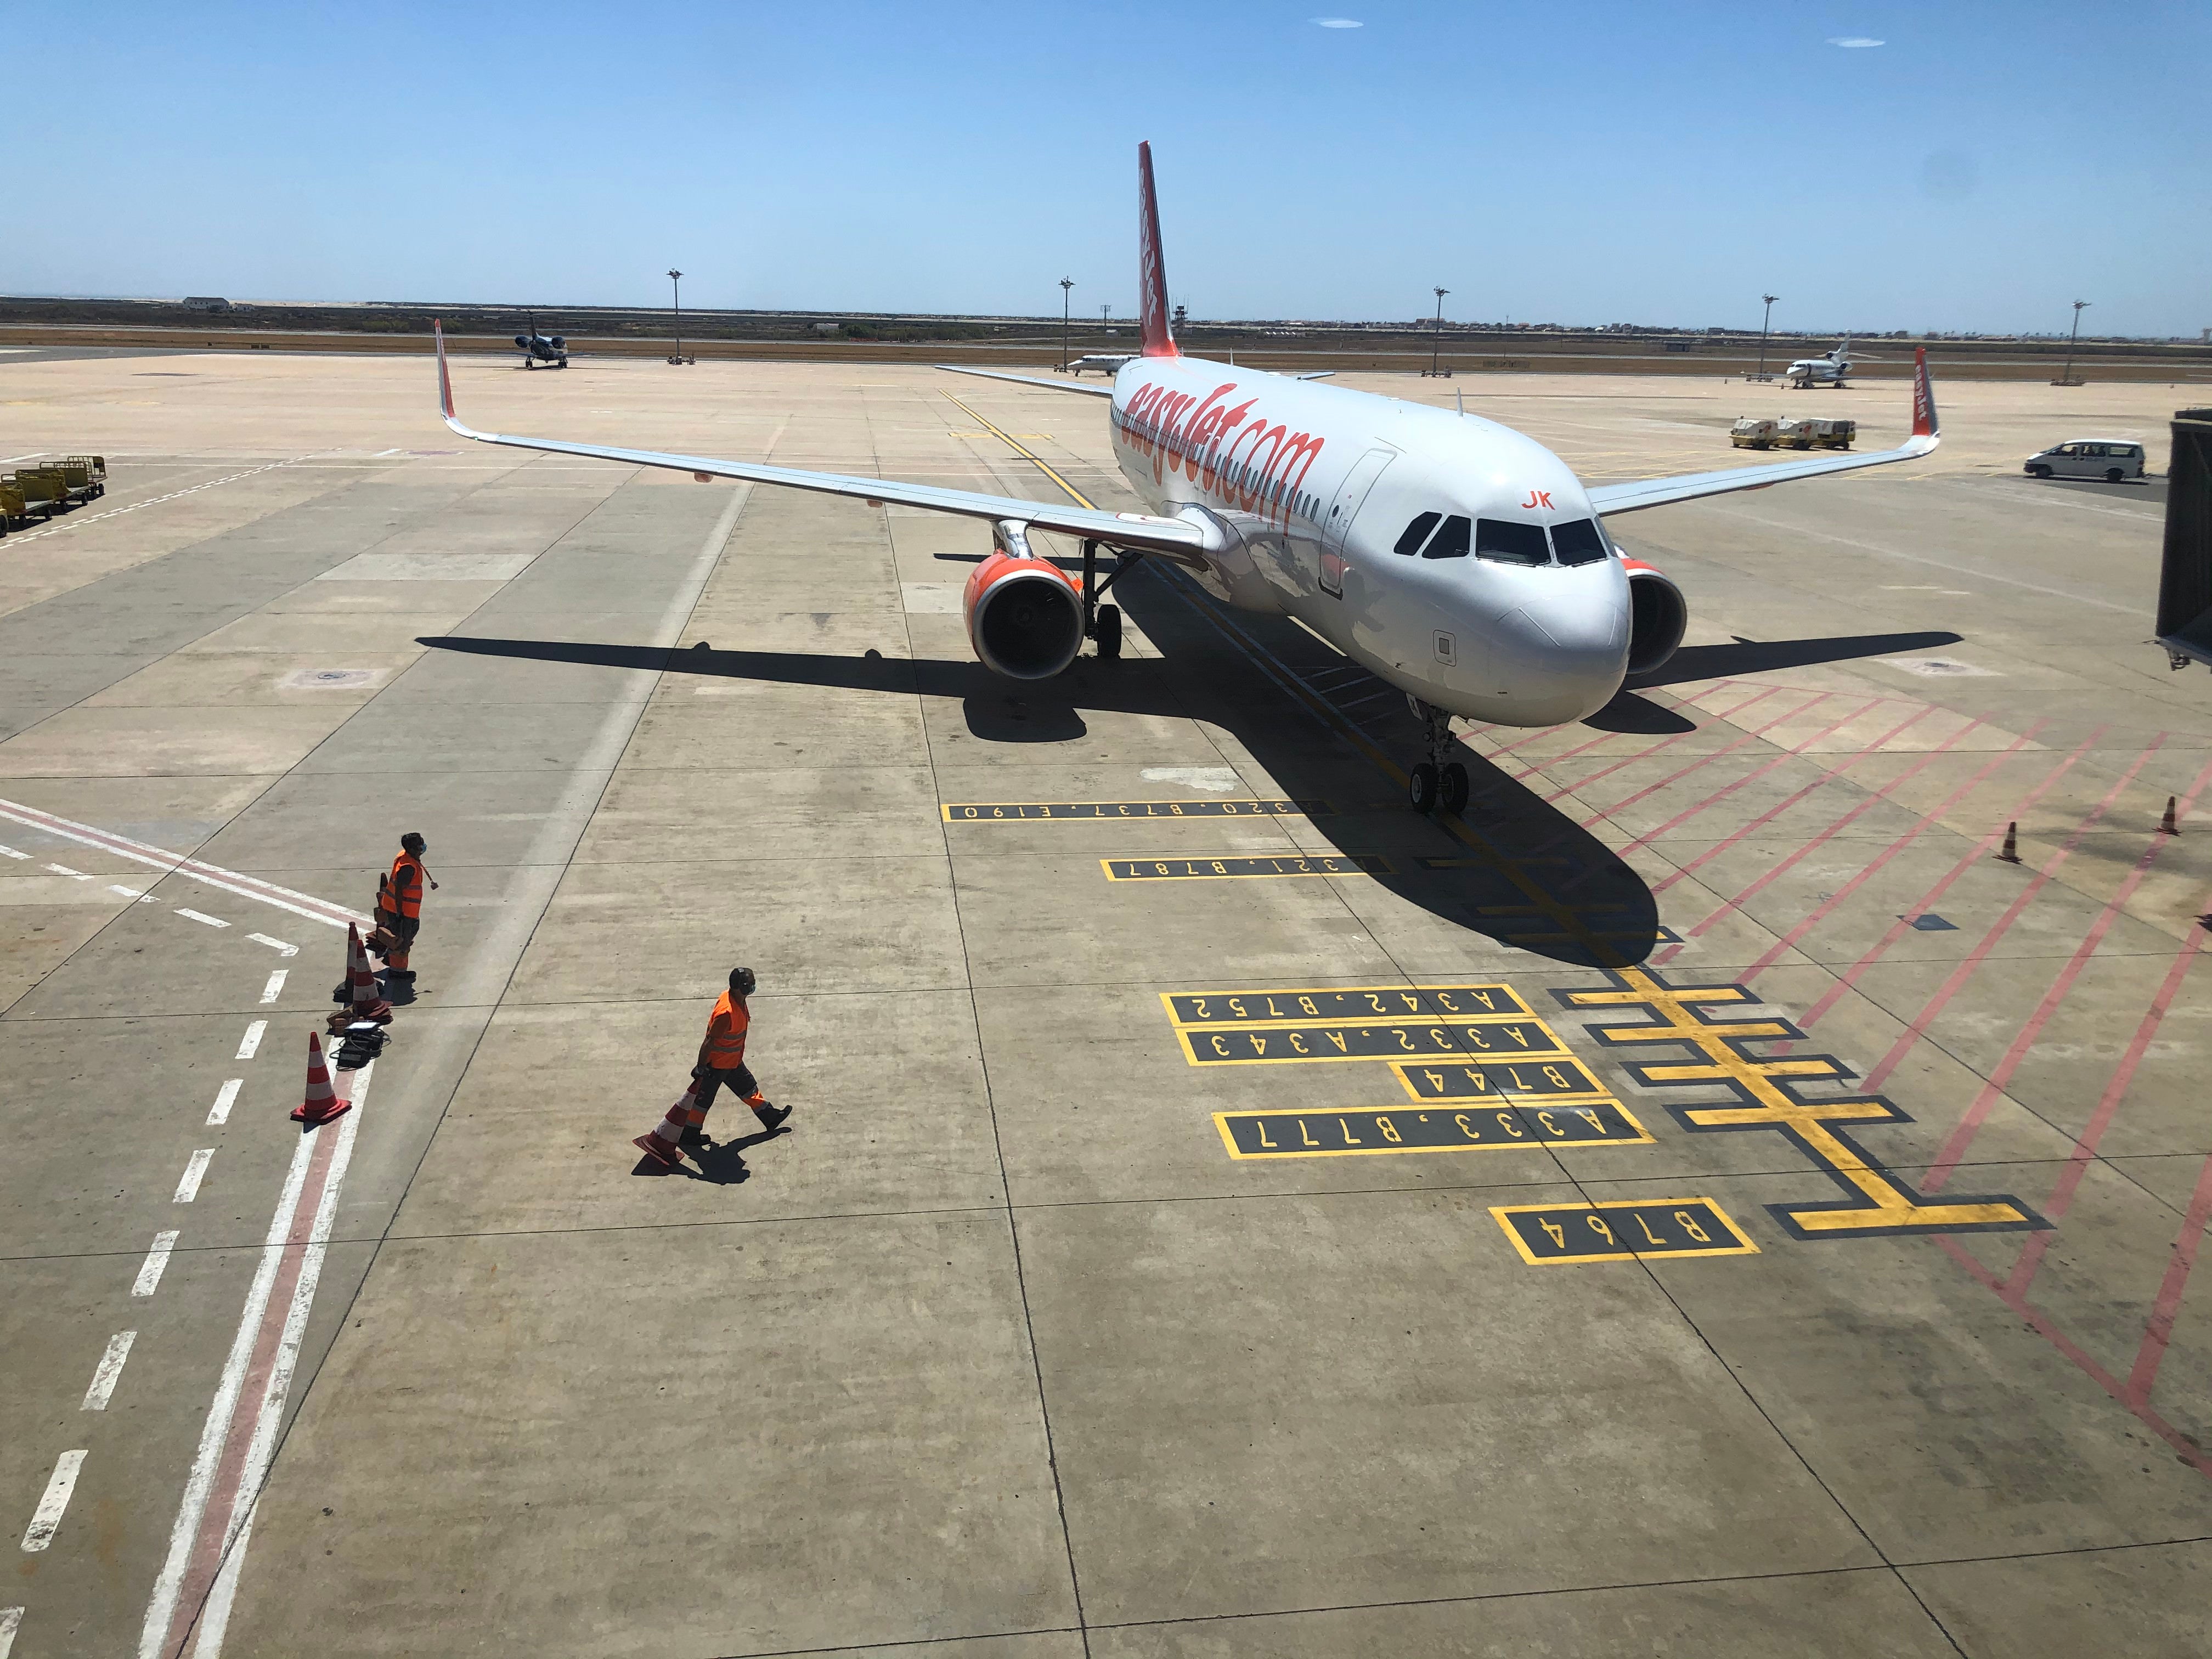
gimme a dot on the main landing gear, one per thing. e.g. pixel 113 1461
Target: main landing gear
pixel 1439 780
pixel 1101 622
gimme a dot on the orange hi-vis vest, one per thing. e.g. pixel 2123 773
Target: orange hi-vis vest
pixel 407 886
pixel 726 1033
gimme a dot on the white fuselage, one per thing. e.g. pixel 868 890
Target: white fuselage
pixel 1320 485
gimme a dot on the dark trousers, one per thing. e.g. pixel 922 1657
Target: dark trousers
pixel 738 1079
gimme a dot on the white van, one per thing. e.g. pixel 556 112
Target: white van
pixel 2113 459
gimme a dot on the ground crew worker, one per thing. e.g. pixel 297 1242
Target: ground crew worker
pixel 721 1064
pixel 400 904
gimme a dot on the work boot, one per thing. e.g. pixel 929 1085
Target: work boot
pixel 771 1117
pixel 658 1149
pixel 694 1135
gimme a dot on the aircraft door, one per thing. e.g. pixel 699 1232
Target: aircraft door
pixel 1350 497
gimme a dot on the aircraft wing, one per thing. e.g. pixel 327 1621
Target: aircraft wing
pixel 1662 492
pixel 1176 538
pixel 1031 379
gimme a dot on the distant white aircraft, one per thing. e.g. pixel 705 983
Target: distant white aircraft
pixel 1452 556
pixel 1106 363
pixel 1827 370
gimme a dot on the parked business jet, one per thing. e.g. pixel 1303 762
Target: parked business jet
pixel 1106 363
pixel 1827 370
pixel 542 348
pixel 1458 560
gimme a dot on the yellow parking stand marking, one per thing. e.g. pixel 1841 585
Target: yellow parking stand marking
pixel 1367 1133
pixel 1244 867
pixel 1562 1077
pixel 1763 1093
pixel 1069 811
pixel 1460 1001
pixel 1292 1044
pixel 1548 1234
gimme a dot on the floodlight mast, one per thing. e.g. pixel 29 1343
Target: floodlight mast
pixel 2079 305
pixel 675 288
pixel 1763 322
pixel 1067 283
pixel 1436 349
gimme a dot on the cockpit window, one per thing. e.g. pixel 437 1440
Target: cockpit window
pixel 1450 539
pixel 1508 543
pixel 1416 533
pixel 1578 541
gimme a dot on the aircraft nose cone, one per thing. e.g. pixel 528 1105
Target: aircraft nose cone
pixel 1564 655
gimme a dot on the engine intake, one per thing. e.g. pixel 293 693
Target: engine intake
pixel 1024 613
pixel 1657 616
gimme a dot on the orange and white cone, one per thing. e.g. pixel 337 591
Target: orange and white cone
pixel 322 1103
pixel 664 1141
pixel 366 1002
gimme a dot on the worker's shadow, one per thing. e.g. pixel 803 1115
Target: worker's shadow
pixel 722 1164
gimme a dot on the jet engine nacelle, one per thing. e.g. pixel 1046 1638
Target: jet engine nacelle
pixel 523 340
pixel 559 344
pixel 1024 613
pixel 1657 615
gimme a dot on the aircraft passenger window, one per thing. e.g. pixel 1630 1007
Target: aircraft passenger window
pixel 1451 539
pixel 1416 533
pixel 1577 542
pixel 1508 543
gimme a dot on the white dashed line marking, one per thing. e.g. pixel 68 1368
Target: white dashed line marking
pixel 225 1098
pixel 194 915
pixel 47 1519
pixel 117 512
pixel 251 1040
pixel 188 1184
pixel 127 892
pixel 275 987
pixel 149 1271
pixel 11 1620
pixel 109 1370
pixel 63 870
pixel 9 852
pixel 276 944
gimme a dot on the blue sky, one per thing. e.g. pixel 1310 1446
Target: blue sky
pixel 1578 163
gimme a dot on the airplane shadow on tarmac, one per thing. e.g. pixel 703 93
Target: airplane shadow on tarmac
pixel 1521 851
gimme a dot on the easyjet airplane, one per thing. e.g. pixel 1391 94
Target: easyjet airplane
pixel 1451 556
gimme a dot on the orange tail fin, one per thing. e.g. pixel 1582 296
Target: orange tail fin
pixel 1152 269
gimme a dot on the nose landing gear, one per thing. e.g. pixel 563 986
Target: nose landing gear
pixel 1439 780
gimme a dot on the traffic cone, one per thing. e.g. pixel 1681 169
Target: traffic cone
pixel 366 1003
pixel 322 1103
pixel 2166 826
pixel 2011 853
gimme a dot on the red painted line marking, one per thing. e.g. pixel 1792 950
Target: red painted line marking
pixel 1876 798
pixel 1782 945
pixel 1756 773
pixel 1750 736
pixel 1667 742
pixel 1958 975
pixel 2191 1453
pixel 2001 1074
pixel 238 1438
pixel 2108 1105
pixel 1776 811
pixel 2159 1331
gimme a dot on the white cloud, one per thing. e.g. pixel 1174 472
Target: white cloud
pixel 1854 41
pixel 1339 22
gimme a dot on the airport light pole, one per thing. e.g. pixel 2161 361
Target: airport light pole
pixel 2079 305
pixel 1065 284
pixel 1436 351
pixel 676 291
pixel 1763 322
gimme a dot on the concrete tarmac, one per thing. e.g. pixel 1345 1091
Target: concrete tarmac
pixel 1706 1202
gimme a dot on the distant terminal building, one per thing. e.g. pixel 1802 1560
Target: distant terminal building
pixel 206 302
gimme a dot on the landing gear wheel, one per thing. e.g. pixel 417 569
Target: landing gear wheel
pixel 1107 631
pixel 1452 789
pixel 1421 788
